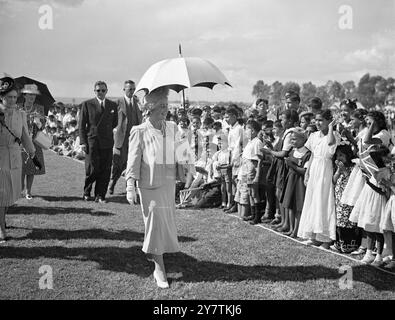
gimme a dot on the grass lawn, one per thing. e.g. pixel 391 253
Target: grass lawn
pixel 95 252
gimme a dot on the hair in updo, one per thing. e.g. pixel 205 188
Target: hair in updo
pixel 326 114
pixel 155 99
pixel 349 103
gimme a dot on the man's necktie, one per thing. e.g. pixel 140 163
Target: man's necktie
pixel 101 107
pixel 196 145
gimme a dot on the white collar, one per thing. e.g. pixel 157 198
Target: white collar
pixel 100 101
pixel 127 98
pixel 234 125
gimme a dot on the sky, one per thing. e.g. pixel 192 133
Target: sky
pixel 249 40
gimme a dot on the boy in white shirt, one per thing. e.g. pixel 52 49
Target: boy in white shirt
pixel 223 170
pixel 247 194
pixel 235 142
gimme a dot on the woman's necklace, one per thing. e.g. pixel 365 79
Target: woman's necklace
pixel 26 108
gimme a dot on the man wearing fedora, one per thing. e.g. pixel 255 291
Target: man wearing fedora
pixel 97 120
pixel 129 115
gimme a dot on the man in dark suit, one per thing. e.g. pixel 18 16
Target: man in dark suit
pixel 98 118
pixel 129 115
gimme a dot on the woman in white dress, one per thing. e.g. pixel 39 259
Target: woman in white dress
pixel 318 219
pixel 152 163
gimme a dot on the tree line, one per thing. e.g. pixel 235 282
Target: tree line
pixel 370 91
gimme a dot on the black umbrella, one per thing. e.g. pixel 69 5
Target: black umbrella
pixel 45 98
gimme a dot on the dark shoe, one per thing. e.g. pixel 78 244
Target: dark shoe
pixel 100 200
pixel 86 198
pixel 110 191
pixel 255 221
pixel 233 209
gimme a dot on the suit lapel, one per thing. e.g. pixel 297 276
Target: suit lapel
pixel 123 105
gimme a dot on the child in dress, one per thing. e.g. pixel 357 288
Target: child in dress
pixel 293 194
pixel 247 194
pixel 318 219
pixel 369 208
pixel 387 223
pixel 278 132
pixel 348 237
pixel 373 130
pixel 356 182
pixel 289 119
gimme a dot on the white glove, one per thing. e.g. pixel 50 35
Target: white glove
pixel 131 194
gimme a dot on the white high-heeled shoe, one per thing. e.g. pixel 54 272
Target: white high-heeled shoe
pixel 160 283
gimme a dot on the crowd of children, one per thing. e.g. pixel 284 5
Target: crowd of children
pixel 62 127
pixel 327 178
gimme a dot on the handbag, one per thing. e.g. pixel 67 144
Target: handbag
pixel 42 140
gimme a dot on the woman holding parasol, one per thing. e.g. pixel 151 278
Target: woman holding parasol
pixel 152 163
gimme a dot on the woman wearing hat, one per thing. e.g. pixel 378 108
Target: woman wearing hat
pixel 13 130
pixel 152 159
pixel 36 122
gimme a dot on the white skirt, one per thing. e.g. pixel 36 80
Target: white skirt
pixel 354 187
pixel 158 207
pixel 387 222
pixel 368 210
